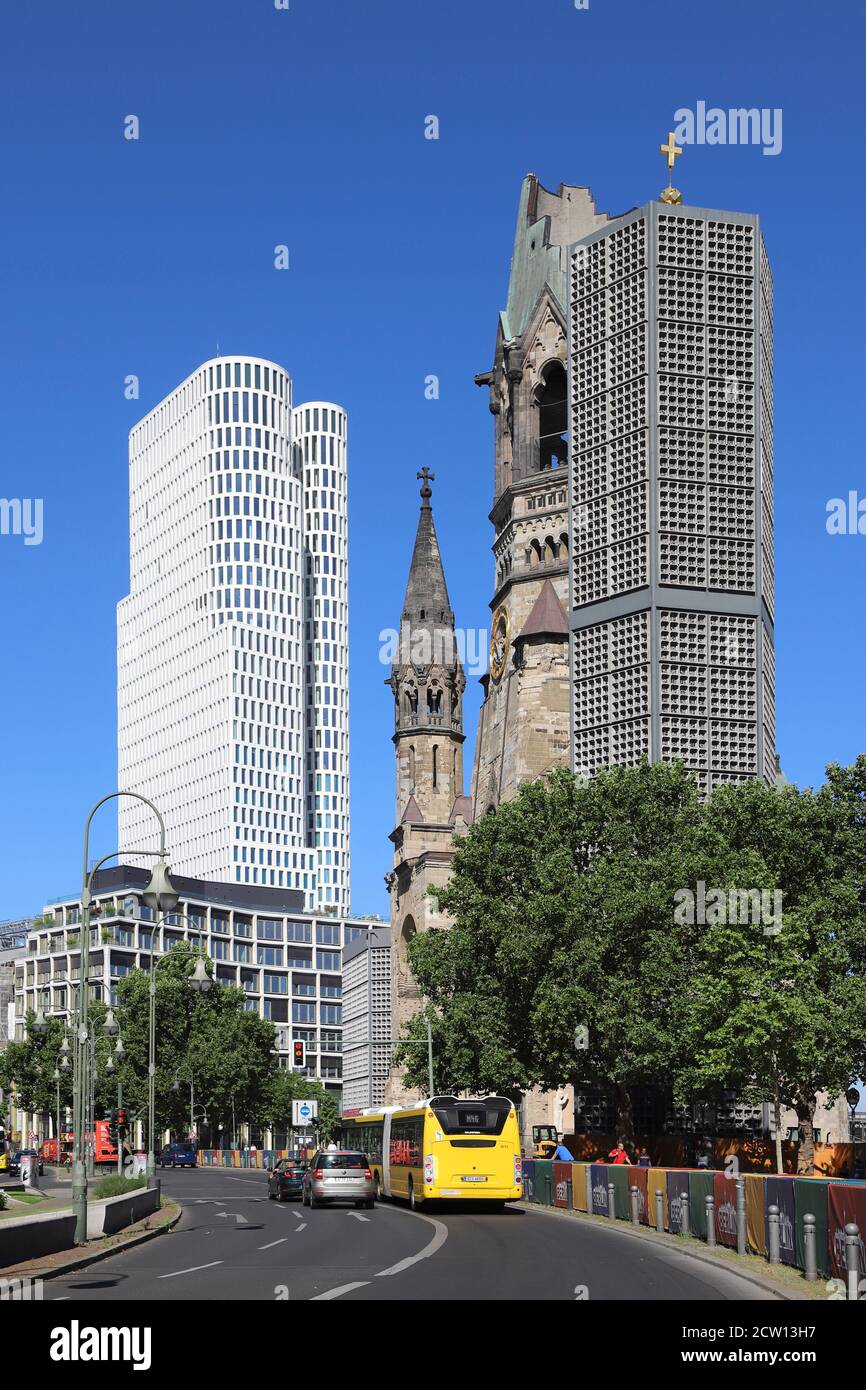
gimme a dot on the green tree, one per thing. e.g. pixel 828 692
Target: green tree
pixel 28 1067
pixel 562 908
pixel 778 1009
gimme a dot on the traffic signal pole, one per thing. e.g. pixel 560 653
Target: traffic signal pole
pixel 119 1138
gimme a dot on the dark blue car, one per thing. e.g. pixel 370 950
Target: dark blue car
pixel 181 1155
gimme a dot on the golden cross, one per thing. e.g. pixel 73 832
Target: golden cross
pixel 671 149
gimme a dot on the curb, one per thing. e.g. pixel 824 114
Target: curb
pixel 82 1261
pixel 671 1242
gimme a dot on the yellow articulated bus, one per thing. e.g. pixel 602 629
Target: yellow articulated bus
pixel 441 1148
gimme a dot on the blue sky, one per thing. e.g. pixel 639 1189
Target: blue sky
pixel 306 127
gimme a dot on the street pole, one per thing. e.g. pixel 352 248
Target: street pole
pixel 370 1015
pixel 159 887
pixel 119 1139
pixel 430 1054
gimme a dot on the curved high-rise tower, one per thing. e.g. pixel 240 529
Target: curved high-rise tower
pixel 213 636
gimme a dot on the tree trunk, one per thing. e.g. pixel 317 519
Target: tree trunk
pixel 624 1115
pixel 805 1107
pixel 777 1121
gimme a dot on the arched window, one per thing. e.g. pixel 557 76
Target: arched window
pixel 552 418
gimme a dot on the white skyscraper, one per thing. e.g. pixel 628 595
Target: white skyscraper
pixel 233 638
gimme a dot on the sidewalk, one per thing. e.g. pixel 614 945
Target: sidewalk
pixel 65 1261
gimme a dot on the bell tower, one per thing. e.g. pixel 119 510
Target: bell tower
pixel 427 682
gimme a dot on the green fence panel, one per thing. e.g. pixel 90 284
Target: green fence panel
pixel 619 1177
pixel 544 1182
pixel 810 1195
pixel 700 1188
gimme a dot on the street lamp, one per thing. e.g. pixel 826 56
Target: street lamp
pixel 158 893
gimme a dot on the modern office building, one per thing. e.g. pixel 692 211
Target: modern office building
pixel 366 1016
pixel 287 961
pixel 319 444
pixel 670 375
pixel 233 638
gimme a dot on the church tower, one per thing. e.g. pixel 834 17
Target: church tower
pixel 427 681
pixel 524 722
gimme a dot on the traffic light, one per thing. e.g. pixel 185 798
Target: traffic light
pixel 111 1117
pixel 299 1053
pixel 122 1122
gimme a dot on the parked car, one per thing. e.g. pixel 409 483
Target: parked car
pixel 8 1169
pixel 286 1180
pixel 178 1155
pixel 21 1154
pixel 338 1176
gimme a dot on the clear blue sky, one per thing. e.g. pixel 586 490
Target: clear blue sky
pixel 305 127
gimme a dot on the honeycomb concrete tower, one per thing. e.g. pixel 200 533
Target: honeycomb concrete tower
pixel 671 517
pixel 427 682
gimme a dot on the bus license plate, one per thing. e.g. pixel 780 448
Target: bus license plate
pixel 474 1179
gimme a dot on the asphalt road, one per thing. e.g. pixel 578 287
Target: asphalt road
pixel 233 1243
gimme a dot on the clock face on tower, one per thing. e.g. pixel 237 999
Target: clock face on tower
pixel 499 633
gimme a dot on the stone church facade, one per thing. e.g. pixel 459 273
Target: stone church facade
pixel 523 729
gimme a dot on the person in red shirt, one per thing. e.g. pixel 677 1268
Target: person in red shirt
pixel 618 1155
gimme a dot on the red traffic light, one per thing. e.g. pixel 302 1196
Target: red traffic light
pixel 299 1053
pixel 121 1118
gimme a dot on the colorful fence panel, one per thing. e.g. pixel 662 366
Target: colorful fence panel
pixel 578 1186
pixel 725 1198
pixel 618 1175
pixel 780 1191
pixel 810 1195
pixel 657 1178
pixel 544 1182
pixel 562 1185
pixel 637 1177
pixel 599 1188
pixel 528 1166
pixel 756 1229
pixel 845 1202
pixel 700 1188
pixel 677 1184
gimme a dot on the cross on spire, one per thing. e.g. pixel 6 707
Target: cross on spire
pixel 426 478
pixel 672 150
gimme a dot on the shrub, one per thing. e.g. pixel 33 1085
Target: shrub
pixel 117 1186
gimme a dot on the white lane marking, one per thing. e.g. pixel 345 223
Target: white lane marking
pixel 440 1235
pixel 336 1293
pixel 302 1227
pixel 208 1202
pixel 194 1270
pixel 357 1215
pixel 62 1298
pixel 273 1243
pixel 298 1216
pixel 227 1215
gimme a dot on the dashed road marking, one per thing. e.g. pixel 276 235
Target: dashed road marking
pixel 336 1293
pixel 273 1243
pixel 193 1270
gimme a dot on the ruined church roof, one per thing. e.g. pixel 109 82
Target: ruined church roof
pixel 547 618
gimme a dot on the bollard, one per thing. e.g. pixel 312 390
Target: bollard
pixel 741 1216
pixel 711 1220
pixel 852 1258
pixel 810 1254
pixel 635 1206
pixel 660 1211
pixel 611 1200
pixel 684 1214
pixel 773 1234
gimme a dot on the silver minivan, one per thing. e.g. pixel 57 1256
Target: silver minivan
pixel 341 1175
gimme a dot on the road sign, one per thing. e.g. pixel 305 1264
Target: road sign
pixel 304 1113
